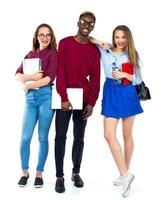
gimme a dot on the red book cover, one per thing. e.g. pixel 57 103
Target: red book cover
pixel 128 68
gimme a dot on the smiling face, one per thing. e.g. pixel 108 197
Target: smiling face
pixel 120 40
pixel 85 25
pixel 44 37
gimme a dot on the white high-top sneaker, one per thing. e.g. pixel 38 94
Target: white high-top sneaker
pixel 118 181
pixel 127 179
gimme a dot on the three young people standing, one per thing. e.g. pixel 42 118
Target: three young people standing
pixel 79 67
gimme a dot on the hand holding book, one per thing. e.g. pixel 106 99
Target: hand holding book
pixel 32 66
pixel 75 96
pixel 37 76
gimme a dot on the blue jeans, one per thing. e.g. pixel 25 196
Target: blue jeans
pixel 38 109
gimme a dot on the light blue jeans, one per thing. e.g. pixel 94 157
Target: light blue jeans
pixel 37 109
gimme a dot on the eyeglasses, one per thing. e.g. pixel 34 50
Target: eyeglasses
pixel 47 36
pixel 84 22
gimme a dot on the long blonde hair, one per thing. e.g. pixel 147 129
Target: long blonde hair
pixel 130 47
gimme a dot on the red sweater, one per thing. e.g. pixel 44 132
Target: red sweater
pixel 48 60
pixel 78 67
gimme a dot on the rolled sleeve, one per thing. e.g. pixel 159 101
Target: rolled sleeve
pixel 51 70
pixel 137 77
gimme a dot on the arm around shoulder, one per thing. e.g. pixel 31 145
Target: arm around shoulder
pixel 100 43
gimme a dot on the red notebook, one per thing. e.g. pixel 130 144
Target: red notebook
pixel 128 68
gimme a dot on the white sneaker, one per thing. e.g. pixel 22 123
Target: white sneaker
pixel 118 181
pixel 127 179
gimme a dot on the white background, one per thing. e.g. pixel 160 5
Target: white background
pixel 18 21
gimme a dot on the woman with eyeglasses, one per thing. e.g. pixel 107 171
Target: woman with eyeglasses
pixel 38 100
pixel 120 101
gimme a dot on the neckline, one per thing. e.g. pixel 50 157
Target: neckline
pixel 76 40
pixel 117 54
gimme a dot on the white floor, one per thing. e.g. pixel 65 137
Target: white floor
pixel 98 168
